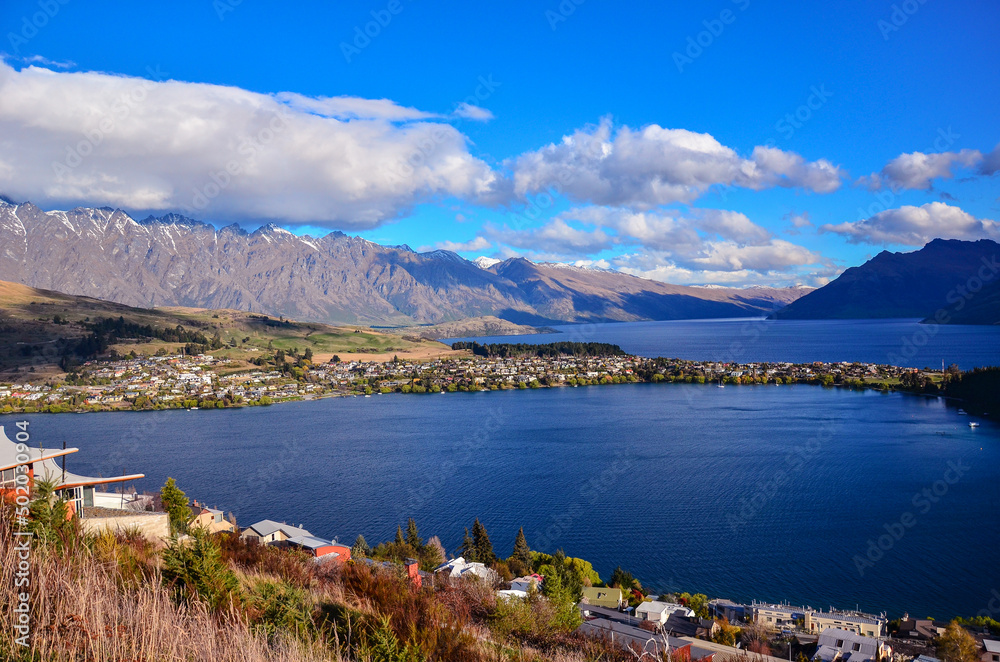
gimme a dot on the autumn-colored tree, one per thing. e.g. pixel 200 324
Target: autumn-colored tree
pixel 957 645
pixel 726 635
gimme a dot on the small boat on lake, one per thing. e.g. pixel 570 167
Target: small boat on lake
pixel 973 424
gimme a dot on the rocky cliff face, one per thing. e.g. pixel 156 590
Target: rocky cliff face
pixel 177 261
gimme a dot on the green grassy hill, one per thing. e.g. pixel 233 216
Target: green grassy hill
pixel 41 329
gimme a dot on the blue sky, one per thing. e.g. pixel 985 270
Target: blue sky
pixel 721 142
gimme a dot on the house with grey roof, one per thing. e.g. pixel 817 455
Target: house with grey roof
pixel 268 531
pixel 836 645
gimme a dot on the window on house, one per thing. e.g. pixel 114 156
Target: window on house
pixel 840 643
pixel 857 647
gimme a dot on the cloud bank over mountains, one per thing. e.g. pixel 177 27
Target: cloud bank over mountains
pixel 628 194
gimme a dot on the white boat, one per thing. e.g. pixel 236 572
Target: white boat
pixel 973 424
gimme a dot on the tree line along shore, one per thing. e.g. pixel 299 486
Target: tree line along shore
pixel 203 380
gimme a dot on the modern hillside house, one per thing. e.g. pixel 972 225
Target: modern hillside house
pixel 268 531
pixel 41 463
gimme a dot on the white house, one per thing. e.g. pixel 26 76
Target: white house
pixel 458 568
pixel 659 612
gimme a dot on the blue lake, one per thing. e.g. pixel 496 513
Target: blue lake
pixel 897 342
pixel 754 492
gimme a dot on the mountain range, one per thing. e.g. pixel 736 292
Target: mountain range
pixel 177 261
pixel 946 281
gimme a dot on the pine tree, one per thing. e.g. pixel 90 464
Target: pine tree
pixel 360 549
pixel 399 536
pixel 468 547
pixel 412 536
pixel 175 502
pixel 521 550
pixel 482 544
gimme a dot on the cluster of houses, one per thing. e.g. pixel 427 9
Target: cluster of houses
pixel 175 379
pixel 838 636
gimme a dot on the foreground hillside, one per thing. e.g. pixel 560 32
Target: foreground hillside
pixel 176 261
pixel 120 597
pixel 44 332
pixel 956 277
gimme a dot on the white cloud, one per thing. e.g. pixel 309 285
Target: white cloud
pixel 477 244
pixel 470 111
pixel 797 222
pixel 918 170
pixel 352 108
pixel 556 237
pixel 658 266
pixel 655 166
pixel 706 241
pixel 915 226
pixel 777 254
pixel 44 61
pixel 94 138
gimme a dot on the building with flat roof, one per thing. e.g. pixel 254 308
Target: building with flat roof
pixel 863 624
pixel 777 617
pixel 21 465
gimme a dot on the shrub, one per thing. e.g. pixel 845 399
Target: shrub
pixel 193 568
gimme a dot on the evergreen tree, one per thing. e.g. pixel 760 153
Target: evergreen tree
pixel 468 547
pixel 175 502
pixel 412 536
pixel 521 550
pixel 360 549
pixel 482 544
pixel 622 579
pixel 399 536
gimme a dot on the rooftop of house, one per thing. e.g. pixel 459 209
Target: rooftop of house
pixel 310 542
pixel 845 640
pixel 657 607
pixel 266 527
pixel 46 465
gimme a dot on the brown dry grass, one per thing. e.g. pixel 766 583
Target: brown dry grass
pixel 103 599
pixel 86 608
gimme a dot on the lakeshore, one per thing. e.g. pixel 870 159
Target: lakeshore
pixel 205 382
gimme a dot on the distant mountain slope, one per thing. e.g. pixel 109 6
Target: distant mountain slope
pixel 487 325
pixel 559 292
pixel 982 308
pixel 913 284
pixel 177 261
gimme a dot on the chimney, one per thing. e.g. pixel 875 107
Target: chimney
pixel 413 571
